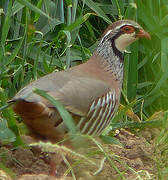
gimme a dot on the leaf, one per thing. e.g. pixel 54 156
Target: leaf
pixel 123 111
pixel 16 7
pixel 112 140
pixel 130 113
pixel 14 53
pixel 164 53
pixel 4 107
pixel 137 125
pixel 6 25
pixel 78 22
pixel 34 52
pixel 159 83
pixel 98 10
pixel 6 135
pixel 38 11
pixel 8 115
pixel 39 4
pixel 164 21
pixel 132 80
pixel 144 84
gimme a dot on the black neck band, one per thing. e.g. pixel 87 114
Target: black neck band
pixel 116 51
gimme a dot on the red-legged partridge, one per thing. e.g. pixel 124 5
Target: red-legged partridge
pixel 90 91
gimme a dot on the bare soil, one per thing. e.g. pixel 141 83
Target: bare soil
pixel 132 160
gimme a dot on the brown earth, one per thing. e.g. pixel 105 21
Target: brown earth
pixel 132 160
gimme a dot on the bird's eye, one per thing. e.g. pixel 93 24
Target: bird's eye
pixel 128 29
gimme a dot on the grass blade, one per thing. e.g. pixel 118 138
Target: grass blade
pixel 98 10
pixel 63 112
pixel 38 11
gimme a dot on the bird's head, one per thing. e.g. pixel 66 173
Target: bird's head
pixel 122 33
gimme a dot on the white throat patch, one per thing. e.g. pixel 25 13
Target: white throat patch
pixel 124 40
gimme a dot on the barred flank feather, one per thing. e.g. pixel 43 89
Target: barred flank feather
pixel 99 115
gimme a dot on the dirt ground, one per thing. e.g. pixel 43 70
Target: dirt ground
pixel 133 160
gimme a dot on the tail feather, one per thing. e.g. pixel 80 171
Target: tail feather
pixel 30 109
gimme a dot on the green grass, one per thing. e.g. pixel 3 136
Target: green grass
pixel 39 38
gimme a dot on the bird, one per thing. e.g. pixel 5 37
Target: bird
pixel 90 92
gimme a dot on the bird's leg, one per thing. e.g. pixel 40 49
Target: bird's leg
pixel 55 160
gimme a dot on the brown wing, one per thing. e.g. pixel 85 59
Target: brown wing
pixel 76 94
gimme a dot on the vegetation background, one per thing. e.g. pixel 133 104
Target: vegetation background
pixel 39 37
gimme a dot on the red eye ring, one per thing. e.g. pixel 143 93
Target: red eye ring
pixel 128 29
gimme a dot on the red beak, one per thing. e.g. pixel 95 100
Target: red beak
pixel 143 34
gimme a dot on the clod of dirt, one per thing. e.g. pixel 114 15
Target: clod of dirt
pixel 133 159
pixel 23 161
